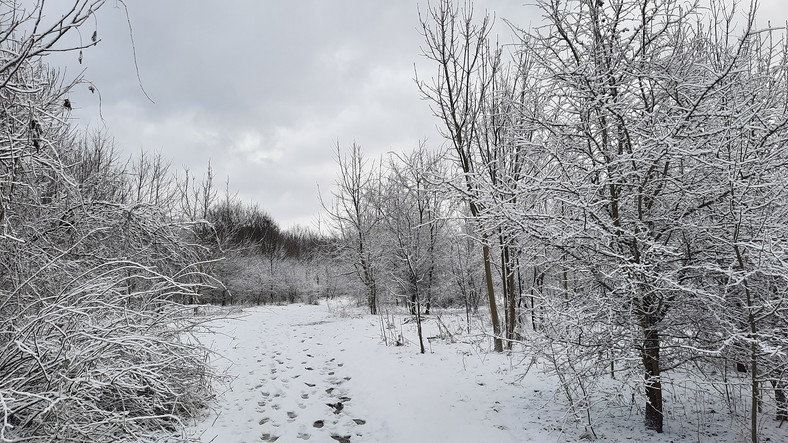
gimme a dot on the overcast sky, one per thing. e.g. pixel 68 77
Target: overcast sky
pixel 265 89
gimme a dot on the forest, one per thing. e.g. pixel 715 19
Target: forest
pixel 610 197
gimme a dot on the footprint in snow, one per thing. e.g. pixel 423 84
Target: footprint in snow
pixel 337 407
pixel 319 424
pixel 291 416
pixel 341 439
pixel 303 435
pixel 269 437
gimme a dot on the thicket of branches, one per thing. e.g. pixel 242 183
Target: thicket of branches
pixel 623 168
pixel 95 268
pixel 402 235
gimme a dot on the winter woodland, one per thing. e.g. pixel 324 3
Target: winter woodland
pixel 596 249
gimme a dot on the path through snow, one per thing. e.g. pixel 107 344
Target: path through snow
pixel 314 373
pixel 303 374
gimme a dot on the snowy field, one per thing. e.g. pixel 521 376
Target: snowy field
pixel 324 374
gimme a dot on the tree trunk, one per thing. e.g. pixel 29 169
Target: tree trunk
pixel 539 285
pixel 753 336
pixel 511 317
pixel 372 299
pixel 507 283
pixel 497 342
pixel 754 393
pixel 369 282
pixel 418 325
pixel 650 354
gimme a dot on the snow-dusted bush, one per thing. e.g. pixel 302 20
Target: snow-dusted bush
pixel 99 362
pixel 95 269
pixel 96 330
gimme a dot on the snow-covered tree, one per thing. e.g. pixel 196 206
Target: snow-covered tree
pixel 655 129
pixel 354 217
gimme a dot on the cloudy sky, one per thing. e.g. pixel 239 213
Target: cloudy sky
pixel 264 90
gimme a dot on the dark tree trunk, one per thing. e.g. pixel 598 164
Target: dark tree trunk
pixel 497 342
pixel 650 353
pixel 372 300
pixel 507 284
pixel 511 314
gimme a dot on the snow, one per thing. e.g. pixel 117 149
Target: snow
pixel 291 367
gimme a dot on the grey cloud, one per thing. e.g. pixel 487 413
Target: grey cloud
pixel 264 89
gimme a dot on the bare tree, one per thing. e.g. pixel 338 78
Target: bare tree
pixel 412 209
pixel 465 67
pixel 353 215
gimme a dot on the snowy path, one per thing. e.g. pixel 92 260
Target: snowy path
pixel 304 374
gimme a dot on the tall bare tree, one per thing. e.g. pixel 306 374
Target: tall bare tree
pixel 466 65
pixel 354 216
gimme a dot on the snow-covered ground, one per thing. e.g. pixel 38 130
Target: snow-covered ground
pixel 322 373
